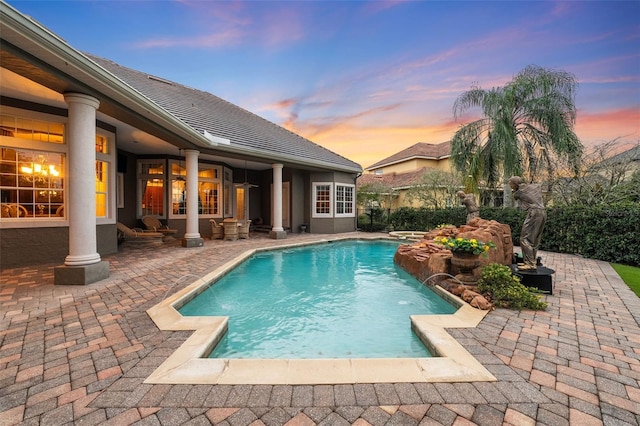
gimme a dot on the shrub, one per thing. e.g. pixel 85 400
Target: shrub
pixel 505 289
pixel 610 232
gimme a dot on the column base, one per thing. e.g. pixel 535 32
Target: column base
pixel 277 235
pixel 80 275
pixel 192 242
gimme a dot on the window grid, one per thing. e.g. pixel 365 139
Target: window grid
pixel 344 200
pixel 322 199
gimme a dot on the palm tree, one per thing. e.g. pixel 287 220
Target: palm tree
pixel 523 125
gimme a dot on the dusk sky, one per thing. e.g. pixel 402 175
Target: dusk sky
pixel 367 79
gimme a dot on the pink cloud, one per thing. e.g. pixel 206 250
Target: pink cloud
pixel 283 26
pixel 598 127
pixel 233 23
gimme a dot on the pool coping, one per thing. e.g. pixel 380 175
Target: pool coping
pixel 189 365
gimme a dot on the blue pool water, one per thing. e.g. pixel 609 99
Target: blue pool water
pixel 338 300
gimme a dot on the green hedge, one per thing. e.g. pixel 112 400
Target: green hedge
pixel 610 233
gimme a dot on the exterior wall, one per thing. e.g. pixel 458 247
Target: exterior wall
pixel 299 212
pixel 330 225
pixel 127 214
pixel 22 247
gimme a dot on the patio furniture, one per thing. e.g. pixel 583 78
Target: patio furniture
pixel 138 235
pixel 243 228
pixel 13 210
pixel 153 224
pixel 230 229
pixel 217 230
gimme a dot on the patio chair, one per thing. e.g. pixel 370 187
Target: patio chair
pixel 138 235
pixel 153 224
pixel 13 210
pixel 217 230
pixel 243 228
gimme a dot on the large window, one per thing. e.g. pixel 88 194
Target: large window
pixel 322 199
pixel 209 189
pixel 327 203
pixel 345 200
pixel 151 187
pixel 32 168
pixel 33 165
pixel 31 183
pixel 102 176
pixel 30 129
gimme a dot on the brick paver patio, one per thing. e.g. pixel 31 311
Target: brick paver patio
pixel 80 355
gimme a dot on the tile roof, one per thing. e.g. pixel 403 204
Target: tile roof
pixel 419 150
pixel 393 180
pixel 204 111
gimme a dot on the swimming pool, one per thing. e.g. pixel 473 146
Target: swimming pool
pixel 341 300
pixel 189 363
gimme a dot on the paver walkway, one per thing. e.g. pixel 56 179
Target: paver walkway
pixel 80 355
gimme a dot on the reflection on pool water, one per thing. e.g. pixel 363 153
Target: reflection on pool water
pixel 341 300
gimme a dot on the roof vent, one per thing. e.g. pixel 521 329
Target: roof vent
pixel 161 80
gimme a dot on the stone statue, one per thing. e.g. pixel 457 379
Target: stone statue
pixel 469 201
pixel 530 198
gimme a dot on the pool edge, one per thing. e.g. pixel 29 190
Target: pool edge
pixel 186 365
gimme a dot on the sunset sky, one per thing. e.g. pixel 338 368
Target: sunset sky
pixel 367 79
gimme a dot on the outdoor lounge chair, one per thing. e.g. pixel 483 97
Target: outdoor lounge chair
pixel 138 235
pixel 217 230
pixel 153 224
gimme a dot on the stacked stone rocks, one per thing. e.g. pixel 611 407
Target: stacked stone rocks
pixel 430 262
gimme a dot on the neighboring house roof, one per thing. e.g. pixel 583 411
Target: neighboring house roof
pixel 393 180
pixel 420 150
pixel 632 154
pixel 206 112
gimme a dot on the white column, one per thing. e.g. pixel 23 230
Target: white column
pixel 81 180
pixel 277 198
pixel 191 184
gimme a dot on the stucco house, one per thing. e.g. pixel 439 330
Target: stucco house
pixel 86 143
pixel 416 157
pixel 404 169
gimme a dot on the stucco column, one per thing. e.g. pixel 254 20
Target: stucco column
pixel 81 194
pixel 277 231
pixel 81 182
pixel 192 235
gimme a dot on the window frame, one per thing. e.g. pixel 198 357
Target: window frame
pixel 38 145
pixel 110 159
pixel 315 186
pixel 201 166
pixel 339 202
pixel 140 177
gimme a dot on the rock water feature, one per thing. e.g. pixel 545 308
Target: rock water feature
pixel 428 260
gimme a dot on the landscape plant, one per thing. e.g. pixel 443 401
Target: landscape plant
pixel 523 125
pixel 465 245
pixel 605 232
pixel 505 290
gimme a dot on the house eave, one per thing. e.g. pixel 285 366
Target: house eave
pixel 403 160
